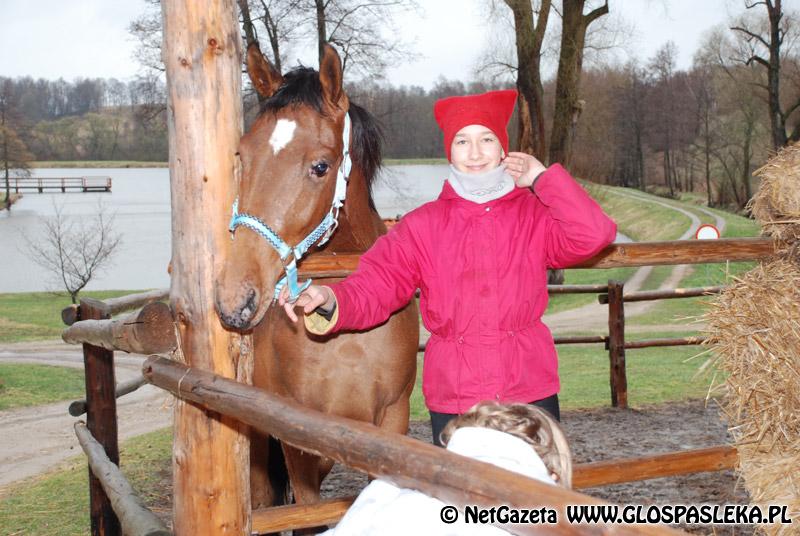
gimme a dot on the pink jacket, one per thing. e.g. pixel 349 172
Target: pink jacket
pixel 482 272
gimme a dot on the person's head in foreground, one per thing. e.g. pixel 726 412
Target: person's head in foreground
pixel 474 129
pixel 517 437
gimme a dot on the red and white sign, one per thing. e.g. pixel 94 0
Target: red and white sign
pixel 707 232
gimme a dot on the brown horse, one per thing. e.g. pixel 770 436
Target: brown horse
pixel 290 158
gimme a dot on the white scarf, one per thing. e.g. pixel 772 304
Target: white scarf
pixel 481 187
pixel 500 449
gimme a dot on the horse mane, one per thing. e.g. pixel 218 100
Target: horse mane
pixel 301 86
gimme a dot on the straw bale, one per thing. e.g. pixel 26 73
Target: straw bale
pixel 754 329
pixel 776 205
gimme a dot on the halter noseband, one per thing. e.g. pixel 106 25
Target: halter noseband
pixel 321 232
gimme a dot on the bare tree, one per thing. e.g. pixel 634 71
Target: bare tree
pixel 568 106
pixel 765 50
pixel 74 250
pixel 529 40
pixel 14 154
pixel 364 32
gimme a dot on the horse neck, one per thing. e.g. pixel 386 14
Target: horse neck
pixel 359 225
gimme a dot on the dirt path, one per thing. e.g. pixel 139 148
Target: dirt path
pixel 47 430
pixel 594 317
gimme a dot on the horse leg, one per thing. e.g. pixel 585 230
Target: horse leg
pixel 395 417
pixel 306 472
pixel 269 479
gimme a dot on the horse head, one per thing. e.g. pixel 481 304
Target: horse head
pixel 290 160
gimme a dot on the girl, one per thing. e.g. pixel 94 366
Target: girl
pixel 516 437
pixel 479 255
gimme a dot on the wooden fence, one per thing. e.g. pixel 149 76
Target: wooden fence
pixel 405 461
pixel 64 184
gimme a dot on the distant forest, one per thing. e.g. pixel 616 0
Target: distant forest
pixel 644 123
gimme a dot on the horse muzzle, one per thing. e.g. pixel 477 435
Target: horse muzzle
pixel 243 313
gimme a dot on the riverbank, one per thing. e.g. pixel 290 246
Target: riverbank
pixel 96 164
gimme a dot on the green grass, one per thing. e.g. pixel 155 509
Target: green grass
pixel 92 164
pixel 58 503
pixel 31 385
pixel 655 375
pixel 35 316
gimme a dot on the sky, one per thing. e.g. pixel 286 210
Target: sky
pixel 89 38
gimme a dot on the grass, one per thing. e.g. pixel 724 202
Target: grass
pixel 58 503
pixel 35 316
pixel 31 385
pixel 97 164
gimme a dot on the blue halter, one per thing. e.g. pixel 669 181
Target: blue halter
pixel 321 232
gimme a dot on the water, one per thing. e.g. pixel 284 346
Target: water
pixel 140 200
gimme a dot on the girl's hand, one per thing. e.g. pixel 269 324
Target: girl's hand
pixel 523 168
pixel 311 298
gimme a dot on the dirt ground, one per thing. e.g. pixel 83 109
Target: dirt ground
pixel 606 433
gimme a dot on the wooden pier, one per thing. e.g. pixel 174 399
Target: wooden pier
pixel 65 184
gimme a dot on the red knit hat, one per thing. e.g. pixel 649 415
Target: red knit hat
pixel 492 109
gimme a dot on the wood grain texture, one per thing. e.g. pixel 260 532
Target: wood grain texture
pixel 202 55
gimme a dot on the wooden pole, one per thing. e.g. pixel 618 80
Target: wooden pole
pixel 150 330
pixel 404 461
pixel 134 517
pixel 616 345
pixel 101 418
pixel 202 55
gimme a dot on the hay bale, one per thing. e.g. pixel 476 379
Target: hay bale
pixel 754 328
pixel 776 205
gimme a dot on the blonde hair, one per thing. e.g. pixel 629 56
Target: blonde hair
pixel 529 423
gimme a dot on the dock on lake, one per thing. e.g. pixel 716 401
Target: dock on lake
pixel 65 184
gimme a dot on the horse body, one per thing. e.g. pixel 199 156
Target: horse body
pixel 366 375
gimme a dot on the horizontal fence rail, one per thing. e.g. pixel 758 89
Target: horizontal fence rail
pixel 148 331
pixel 612 256
pixel 115 306
pixel 399 459
pixel 586 475
pixel 648 295
pixel 78 408
pixel 134 517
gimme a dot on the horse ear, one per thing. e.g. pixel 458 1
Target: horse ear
pixel 330 76
pixel 265 78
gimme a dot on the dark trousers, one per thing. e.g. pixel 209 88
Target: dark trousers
pixel 440 420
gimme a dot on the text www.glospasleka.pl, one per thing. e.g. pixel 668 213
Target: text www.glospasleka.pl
pixel 704 514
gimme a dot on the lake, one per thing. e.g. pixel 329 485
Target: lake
pixel 140 200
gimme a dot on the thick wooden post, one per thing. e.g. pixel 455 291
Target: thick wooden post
pixel 616 345
pixel 101 418
pixel 202 54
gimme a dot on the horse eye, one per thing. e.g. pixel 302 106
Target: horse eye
pixel 319 169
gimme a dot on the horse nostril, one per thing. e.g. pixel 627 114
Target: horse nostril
pixel 249 308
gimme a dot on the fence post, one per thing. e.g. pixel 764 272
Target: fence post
pixel 616 345
pixel 101 417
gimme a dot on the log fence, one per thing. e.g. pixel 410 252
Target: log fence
pixel 151 330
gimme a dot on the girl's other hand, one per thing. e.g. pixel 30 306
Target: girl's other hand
pixel 311 298
pixel 523 168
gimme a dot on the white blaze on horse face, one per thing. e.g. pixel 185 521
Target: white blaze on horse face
pixel 282 135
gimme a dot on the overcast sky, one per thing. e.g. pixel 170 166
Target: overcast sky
pixel 89 38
